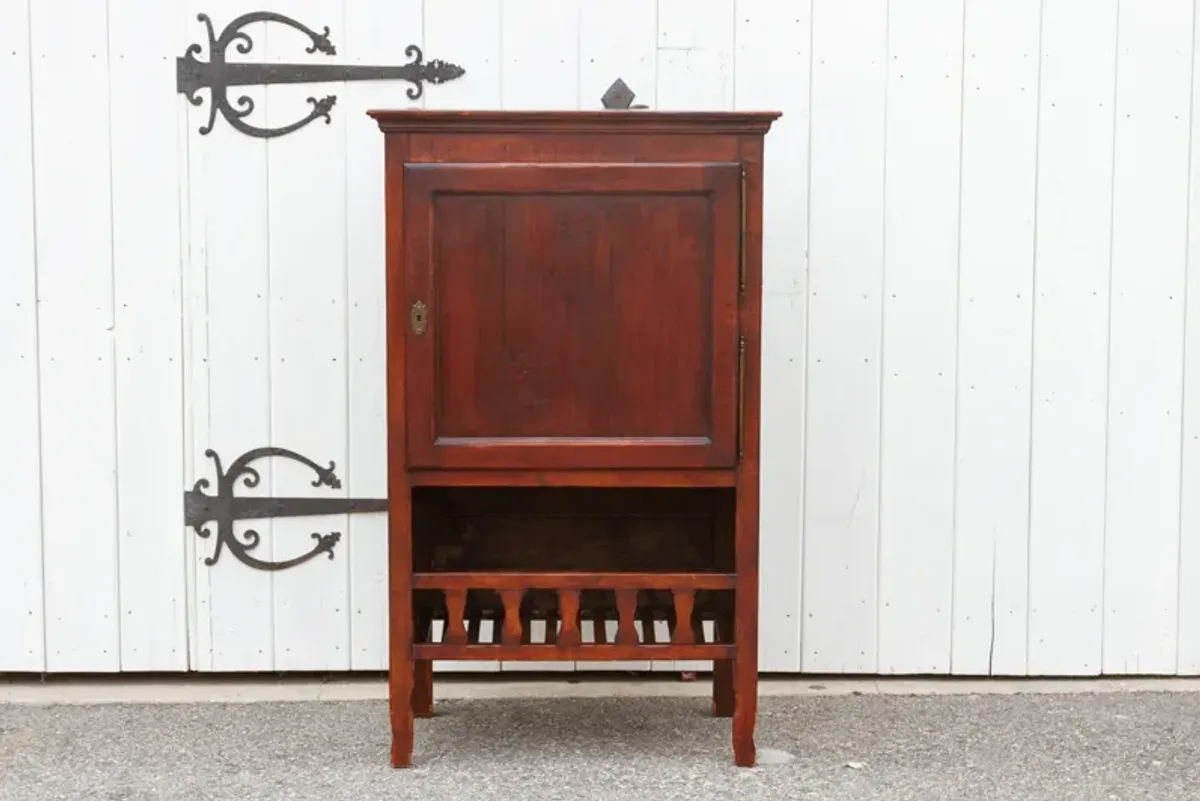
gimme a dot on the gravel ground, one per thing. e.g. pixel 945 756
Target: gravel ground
pixel 1103 747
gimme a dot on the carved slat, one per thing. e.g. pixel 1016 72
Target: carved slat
pixel 684 602
pixel 626 609
pixel 568 604
pixel 512 616
pixel 700 620
pixel 456 630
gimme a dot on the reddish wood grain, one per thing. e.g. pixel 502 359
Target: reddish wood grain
pixel 456 628
pixel 400 617
pixel 685 601
pixel 626 606
pixel 745 664
pixel 581 272
pixel 566 148
pixel 579 315
pixel 512 580
pixel 573 478
pixel 576 123
pixel 581 653
pixel 569 637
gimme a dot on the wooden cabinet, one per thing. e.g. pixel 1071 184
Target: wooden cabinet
pixel 574 304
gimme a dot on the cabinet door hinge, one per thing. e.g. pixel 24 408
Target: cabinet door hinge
pixel 741 399
pixel 745 207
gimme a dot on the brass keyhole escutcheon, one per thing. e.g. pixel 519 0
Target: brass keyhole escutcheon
pixel 419 317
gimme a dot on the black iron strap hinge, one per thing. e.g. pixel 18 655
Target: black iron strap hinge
pixel 219 75
pixel 225 508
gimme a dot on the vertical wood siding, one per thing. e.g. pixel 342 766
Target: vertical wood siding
pixel 996 235
pixel 918 356
pixel 1072 260
pixel 73 212
pixel 1148 265
pixel 1188 610
pixel 981 422
pixel 22 621
pixel 843 337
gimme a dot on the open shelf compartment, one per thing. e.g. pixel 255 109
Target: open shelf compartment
pixel 553 573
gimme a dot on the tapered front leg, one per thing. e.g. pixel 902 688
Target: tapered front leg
pixel 745 623
pixel 400 623
pixel 745 710
pixel 745 661
pixel 723 694
pixel 422 697
pixel 401 707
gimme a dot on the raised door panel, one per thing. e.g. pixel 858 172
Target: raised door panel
pixel 571 315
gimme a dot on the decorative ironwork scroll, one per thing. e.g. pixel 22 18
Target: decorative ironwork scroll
pixel 224 508
pixel 218 75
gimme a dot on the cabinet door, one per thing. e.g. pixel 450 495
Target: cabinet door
pixel 572 315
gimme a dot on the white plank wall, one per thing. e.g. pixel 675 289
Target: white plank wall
pixel 1072 259
pixel 74 215
pixel 920 314
pixel 1189 512
pixel 307 279
pixel 229 391
pixel 843 336
pixel 995 306
pixel 22 619
pixel 145 127
pixel 1146 330
pixel 981 414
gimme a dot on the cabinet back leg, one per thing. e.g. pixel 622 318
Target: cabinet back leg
pixel 422 696
pixel 723 688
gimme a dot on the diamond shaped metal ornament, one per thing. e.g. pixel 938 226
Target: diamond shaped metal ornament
pixel 619 96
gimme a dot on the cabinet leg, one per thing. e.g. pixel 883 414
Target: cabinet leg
pixel 723 688
pixel 401 711
pixel 744 712
pixel 400 708
pixel 422 697
pixel 402 744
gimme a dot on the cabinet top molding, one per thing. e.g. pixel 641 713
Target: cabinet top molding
pixel 609 121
